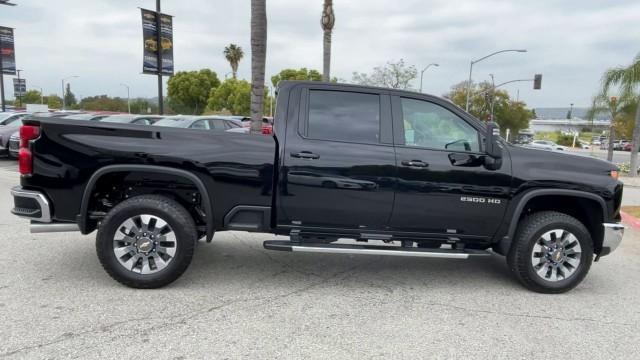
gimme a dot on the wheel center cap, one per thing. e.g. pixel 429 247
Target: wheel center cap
pixel 556 256
pixel 144 245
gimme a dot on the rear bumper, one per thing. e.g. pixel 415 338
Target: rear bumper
pixel 32 205
pixel 613 233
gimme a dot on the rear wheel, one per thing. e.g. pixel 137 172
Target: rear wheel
pixel 146 241
pixel 552 252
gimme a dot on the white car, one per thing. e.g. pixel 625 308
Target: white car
pixel 546 145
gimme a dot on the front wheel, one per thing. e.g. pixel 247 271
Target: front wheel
pixel 146 241
pixel 552 252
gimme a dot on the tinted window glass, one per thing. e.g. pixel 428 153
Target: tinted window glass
pixel 432 126
pixel 217 124
pixel 345 116
pixel 200 124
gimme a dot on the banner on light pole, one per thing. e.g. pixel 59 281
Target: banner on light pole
pixel 8 51
pixel 151 45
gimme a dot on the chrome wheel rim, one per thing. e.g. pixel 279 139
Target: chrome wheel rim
pixel 556 255
pixel 144 244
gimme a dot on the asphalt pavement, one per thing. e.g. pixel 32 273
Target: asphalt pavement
pixel 238 300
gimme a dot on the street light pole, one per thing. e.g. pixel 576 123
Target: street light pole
pixel 422 73
pixel 493 94
pixel 64 105
pixel 128 97
pixel 477 61
pixel 159 48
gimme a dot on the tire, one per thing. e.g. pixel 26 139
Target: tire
pixel 529 247
pixel 169 240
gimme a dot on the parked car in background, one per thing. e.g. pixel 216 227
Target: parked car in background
pixel 132 119
pixel 6 130
pixel 546 145
pixel 8 117
pixel 215 123
pixel 620 144
pixel 267 124
pixel 14 145
pixel 627 147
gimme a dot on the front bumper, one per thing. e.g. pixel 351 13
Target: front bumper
pixel 32 205
pixel 613 233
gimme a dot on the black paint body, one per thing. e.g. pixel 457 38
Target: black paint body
pixel 349 189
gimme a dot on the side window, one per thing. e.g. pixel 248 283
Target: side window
pixel 200 124
pixel 231 124
pixel 142 122
pixel 432 126
pixel 217 124
pixel 344 116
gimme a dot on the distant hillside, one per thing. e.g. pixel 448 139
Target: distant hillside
pixel 561 113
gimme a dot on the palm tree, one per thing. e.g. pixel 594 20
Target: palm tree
pixel 327 22
pixel 233 53
pixel 628 80
pixel 258 60
pixel 603 103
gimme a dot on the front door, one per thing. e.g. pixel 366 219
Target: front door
pixel 339 161
pixel 443 186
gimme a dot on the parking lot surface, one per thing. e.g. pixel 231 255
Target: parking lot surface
pixel 238 300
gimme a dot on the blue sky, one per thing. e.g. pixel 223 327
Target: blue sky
pixel 570 42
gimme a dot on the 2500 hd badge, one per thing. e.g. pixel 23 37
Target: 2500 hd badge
pixel 480 200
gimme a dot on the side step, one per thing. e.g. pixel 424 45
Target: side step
pixel 372 250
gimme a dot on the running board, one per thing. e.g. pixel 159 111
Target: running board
pixel 372 250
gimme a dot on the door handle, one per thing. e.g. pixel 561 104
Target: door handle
pixel 415 163
pixel 305 155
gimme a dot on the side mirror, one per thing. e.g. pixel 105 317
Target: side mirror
pixel 493 160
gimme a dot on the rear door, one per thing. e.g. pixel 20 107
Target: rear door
pixel 339 160
pixel 443 187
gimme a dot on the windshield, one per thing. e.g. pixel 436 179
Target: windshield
pixel 173 122
pixel 4 116
pixel 118 119
pixel 80 117
pixel 14 122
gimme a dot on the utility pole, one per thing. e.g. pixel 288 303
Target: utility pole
pixel 159 48
pixel 4 107
pixel 128 97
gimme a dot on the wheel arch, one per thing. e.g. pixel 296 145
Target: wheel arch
pixel 518 208
pixel 83 218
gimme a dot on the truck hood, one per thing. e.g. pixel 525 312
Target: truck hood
pixel 563 166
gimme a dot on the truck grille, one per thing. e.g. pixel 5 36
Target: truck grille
pixel 14 144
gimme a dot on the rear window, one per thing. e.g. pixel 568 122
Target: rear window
pixel 344 116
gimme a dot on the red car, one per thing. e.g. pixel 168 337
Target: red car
pixel 627 147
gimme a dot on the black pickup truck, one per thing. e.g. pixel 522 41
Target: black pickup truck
pixel 348 170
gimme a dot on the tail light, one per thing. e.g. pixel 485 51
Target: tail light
pixel 267 130
pixel 25 158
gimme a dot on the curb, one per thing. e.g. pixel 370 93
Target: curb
pixel 632 221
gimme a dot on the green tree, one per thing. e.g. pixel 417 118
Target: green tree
pixel 234 97
pixel 394 75
pixel 143 106
pixel 32 97
pixel 327 22
pixel 627 79
pixel 191 89
pixel 512 115
pixel 53 101
pixel 103 103
pixel 303 74
pixel 233 53
pixel 258 62
pixel 69 97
